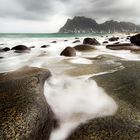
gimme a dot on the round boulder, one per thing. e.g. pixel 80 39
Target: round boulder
pixel 91 41
pixel 68 51
pixel 135 39
pixel 20 47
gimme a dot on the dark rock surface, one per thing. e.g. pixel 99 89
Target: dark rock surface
pixel 44 46
pixel 76 41
pixel 135 39
pixel 6 49
pixel 123 46
pixel 87 25
pixel 84 47
pixel 123 86
pixel 68 51
pixel 91 41
pixel 21 49
pixel 24 112
pixel 113 39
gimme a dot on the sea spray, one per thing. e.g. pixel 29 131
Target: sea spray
pixel 75 101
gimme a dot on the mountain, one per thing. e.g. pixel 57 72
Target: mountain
pixel 87 25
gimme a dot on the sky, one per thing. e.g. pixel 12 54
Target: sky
pixel 47 16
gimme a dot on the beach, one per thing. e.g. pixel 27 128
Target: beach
pixel 113 74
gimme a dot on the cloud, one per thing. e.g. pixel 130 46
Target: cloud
pixel 45 11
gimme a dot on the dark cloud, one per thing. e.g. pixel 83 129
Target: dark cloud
pixel 45 10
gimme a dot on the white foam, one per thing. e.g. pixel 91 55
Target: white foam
pixel 75 101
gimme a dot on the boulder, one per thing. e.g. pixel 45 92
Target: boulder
pixel 24 112
pixel 135 39
pixel 68 51
pixel 65 40
pixel 114 39
pixel 21 48
pixel 76 41
pixel 123 46
pixel 84 47
pixel 91 41
pixel 6 49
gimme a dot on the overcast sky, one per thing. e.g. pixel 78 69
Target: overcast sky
pixel 50 15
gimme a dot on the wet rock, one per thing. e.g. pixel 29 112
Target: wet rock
pixel 65 40
pixel 76 41
pixel 21 48
pixel 32 47
pixel 24 112
pixel 135 39
pixel 105 42
pixel 123 86
pixel 6 49
pixel 77 38
pixel 54 42
pixel 44 46
pixel 84 47
pixel 91 41
pixel 123 46
pixel 68 51
pixel 114 39
pixel 1 57
pixel 22 51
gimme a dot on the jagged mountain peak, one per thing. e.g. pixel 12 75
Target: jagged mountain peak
pixel 87 25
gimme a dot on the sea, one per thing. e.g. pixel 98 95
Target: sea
pixel 73 97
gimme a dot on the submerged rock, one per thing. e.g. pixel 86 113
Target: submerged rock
pixel 135 39
pixel 54 42
pixel 84 47
pixel 68 51
pixel 91 41
pixel 44 46
pixel 24 112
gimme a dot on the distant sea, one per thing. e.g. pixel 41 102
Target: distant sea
pixel 44 35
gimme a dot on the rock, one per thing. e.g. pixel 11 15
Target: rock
pixel 114 39
pixel 24 112
pixel 68 51
pixel 84 47
pixel 54 42
pixel 91 41
pixel 32 47
pixel 21 48
pixel 44 46
pixel 105 42
pixel 123 86
pixel 76 41
pixel 1 57
pixel 123 46
pixel 77 38
pixel 65 40
pixel 6 49
pixel 135 39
